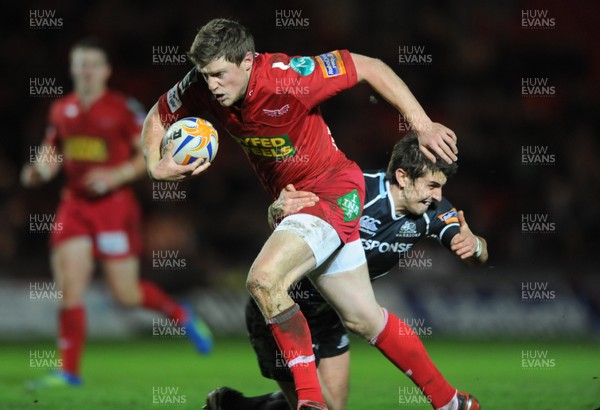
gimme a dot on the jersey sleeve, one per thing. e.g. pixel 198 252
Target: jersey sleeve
pixel 187 98
pixel 444 223
pixel 314 79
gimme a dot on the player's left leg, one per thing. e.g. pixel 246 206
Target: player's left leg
pixel 362 315
pixel 334 373
pixel 118 225
pixel 122 275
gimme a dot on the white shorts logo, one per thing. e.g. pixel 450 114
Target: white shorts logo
pixel 113 243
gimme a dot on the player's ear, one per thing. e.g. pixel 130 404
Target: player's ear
pixel 108 72
pixel 401 177
pixel 247 61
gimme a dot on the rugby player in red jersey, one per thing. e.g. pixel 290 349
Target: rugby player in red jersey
pixel 93 133
pixel 392 223
pixel 242 90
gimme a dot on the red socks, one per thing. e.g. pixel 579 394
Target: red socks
pixel 72 324
pixel 292 335
pixel 154 298
pixel 71 338
pixel 399 343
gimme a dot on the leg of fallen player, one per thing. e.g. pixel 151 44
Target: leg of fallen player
pixel 334 375
pixel 352 296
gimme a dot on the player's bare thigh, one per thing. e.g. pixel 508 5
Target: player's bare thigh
pixel 72 263
pixel 284 258
pixel 351 294
pixel 300 243
pixel 122 275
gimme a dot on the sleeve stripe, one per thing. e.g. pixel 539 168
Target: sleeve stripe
pixel 382 192
pixel 446 227
pixel 427 223
pixel 372 201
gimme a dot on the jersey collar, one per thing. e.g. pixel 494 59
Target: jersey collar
pixel 393 214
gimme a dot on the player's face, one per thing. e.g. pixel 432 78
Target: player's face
pixel 90 69
pixel 420 193
pixel 227 81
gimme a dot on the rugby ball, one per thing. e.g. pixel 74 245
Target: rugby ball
pixel 195 139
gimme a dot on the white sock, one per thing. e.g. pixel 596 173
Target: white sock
pixel 452 404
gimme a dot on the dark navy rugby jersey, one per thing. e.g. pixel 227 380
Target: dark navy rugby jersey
pixel 385 236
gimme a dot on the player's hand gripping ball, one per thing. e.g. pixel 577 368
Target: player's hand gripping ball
pixel 194 139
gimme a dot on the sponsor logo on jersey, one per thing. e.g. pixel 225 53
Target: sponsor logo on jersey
pixel 303 65
pixel 449 217
pixel 408 230
pixel 383 247
pixel 85 148
pixel 173 99
pixel 350 204
pixel 276 147
pixel 278 112
pixel 331 64
pixel 368 224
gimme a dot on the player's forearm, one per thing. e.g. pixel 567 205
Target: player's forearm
pixel 152 135
pixel 391 87
pixel 132 169
pixel 48 168
pixel 44 168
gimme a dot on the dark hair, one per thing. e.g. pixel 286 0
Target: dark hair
pixel 221 38
pixel 407 155
pixel 90 43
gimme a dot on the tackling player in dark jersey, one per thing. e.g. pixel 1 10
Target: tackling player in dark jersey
pixel 395 217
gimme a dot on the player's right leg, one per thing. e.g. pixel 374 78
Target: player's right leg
pixel 329 339
pixel 334 375
pixel 298 245
pixel 72 266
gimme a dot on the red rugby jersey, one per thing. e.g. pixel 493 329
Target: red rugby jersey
pixel 99 136
pixel 278 124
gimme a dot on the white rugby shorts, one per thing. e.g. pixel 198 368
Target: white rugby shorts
pixel 325 243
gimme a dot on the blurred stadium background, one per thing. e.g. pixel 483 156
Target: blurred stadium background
pixel 477 58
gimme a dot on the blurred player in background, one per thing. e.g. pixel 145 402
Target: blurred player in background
pixel 393 221
pixel 94 133
pixel 276 128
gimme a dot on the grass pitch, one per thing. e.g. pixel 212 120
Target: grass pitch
pixel 168 374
